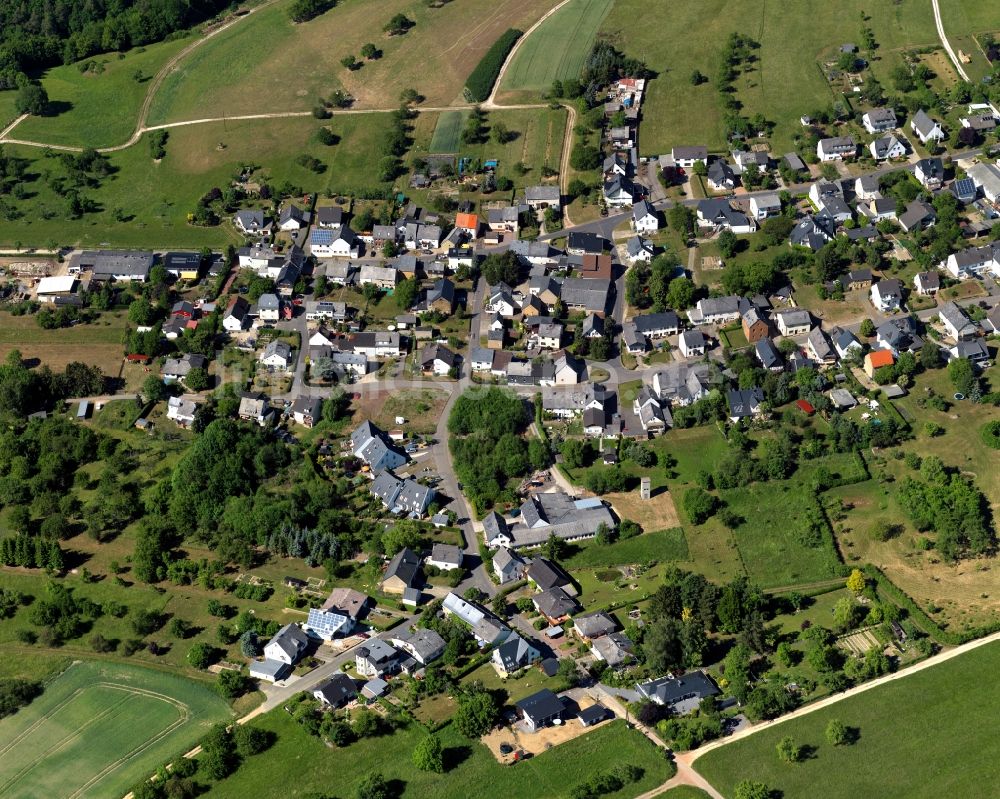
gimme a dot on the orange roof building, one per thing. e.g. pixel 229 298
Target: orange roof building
pixel 468 222
pixel 596 266
pixel 876 360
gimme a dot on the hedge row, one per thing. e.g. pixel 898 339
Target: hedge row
pixel 480 82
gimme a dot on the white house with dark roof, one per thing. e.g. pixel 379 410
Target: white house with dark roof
pixel 764 206
pixel 956 323
pixel 287 645
pixel 692 343
pixel 514 654
pixel 644 218
pixel 372 446
pixel 971 262
pixel 887 295
pixel 886 148
pixel 687 156
pixel 879 120
pixel 925 128
pixel 836 148
pixel 927 283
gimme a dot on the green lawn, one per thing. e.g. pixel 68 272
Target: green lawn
pixel 660 546
pixel 677 38
pixel 99 728
pixel 557 49
pixel 299 764
pixel 685 792
pixel 447 132
pixel 98 109
pixel 917 736
pixel 7 110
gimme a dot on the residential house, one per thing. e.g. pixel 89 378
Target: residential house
pixel 547 336
pixel 692 343
pixel 755 327
pixel 898 335
pixel 812 232
pixel 927 284
pixel 555 604
pixel 375 657
pixel 438 360
pixel 336 690
pixel 251 222
pixel 745 403
pixel 500 301
pixel 514 654
pixel 972 262
pixel 327 624
pixel 879 120
pixel 964 190
pixel 718 213
pixel 348 602
pixel 329 216
pixel 254 408
pixel 292 218
pixel 440 297
pixel 542 197
pixel 506 219
pixel 586 294
pixel 371 445
pixel 686 156
pixel 764 206
pixel 877 359
pixel 541 709
pixel 887 295
pixel 582 243
pixel 866 187
pixel 639 249
pixel 593 625
pixel 845 342
pixel 930 172
pixel 287 645
pixel 616 649
pixel 402 495
pixel 317 310
pixel 886 148
pixel 769 356
pixel 403 573
pixel 681 695
pixel 857 280
pixel 918 215
pixel 956 323
pixel 619 192
pixel 384 277
pixel 878 209
pixel 420 643
pixel 178 368
pixel 652 415
pixel 683 383
pixel 183 265
pixel 446 557
pixel 339 242
pixel 124 266
pixel 269 308
pixel 644 218
pixel 975 351
pixel 720 176
pixel 181 411
pixel 306 410
pixel 748 158
pixel 794 322
pixel 716 310
pixel 555 514
pixel 485 627
pixel 596 267
pixel 276 355
pixel 507 564
pixel 818 347
pixel 986 176
pixel 991 324
pixel 468 224
pixel 591 327
pixel 836 148
pixel 925 128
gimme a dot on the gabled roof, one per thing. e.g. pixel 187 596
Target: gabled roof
pixel 541 705
pixel 405 565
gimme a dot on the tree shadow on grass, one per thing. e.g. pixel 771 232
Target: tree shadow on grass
pixel 454 756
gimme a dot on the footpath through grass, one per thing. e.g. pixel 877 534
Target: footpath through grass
pixel 99 728
pixel 925 736
pixel 300 760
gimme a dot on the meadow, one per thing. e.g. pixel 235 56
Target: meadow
pixel 944 711
pixel 83 99
pixel 267 64
pixel 677 39
pixel 448 132
pixel 660 545
pixel 303 761
pixel 154 199
pixel 555 51
pixel 99 727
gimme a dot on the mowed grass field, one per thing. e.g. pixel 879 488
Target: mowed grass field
pixel 920 737
pixel 448 132
pixel 156 197
pixel 267 64
pixel 96 344
pixel 300 760
pixel 98 110
pixel 676 39
pixel 556 50
pixel 99 728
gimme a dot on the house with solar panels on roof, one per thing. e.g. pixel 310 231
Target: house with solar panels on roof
pixel 339 242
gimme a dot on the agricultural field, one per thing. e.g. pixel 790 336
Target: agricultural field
pixel 246 69
pixel 303 760
pixel 99 728
pixel 81 97
pixel 98 344
pixel 448 132
pixel 155 198
pixel 682 113
pixel 943 709
pixel 555 51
